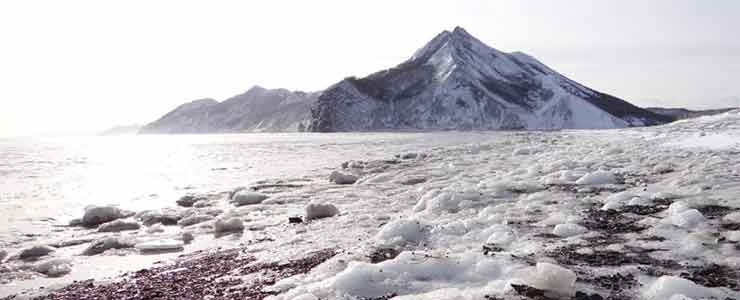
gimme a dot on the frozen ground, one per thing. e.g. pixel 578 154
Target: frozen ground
pixel 644 213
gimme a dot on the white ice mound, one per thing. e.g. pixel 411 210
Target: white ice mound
pixel 732 217
pixel 228 225
pixel 35 252
pixel 597 177
pixel 401 231
pixel 687 219
pixel 118 225
pixel 554 279
pixel 568 230
pixel 320 210
pixel 665 287
pixel 245 197
pixel 95 215
pixel 101 245
pixel 500 235
pixel 341 178
pixel 160 245
pixel 54 267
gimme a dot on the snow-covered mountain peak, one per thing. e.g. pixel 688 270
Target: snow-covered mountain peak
pixel 456 81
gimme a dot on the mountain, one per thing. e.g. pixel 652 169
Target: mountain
pixel 682 113
pixel 258 109
pixel 458 82
pixel 122 130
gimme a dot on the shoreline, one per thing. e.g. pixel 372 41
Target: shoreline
pixel 561 215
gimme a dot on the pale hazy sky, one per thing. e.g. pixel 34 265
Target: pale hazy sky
pixel 83 66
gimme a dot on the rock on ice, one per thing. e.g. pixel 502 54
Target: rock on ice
pixel 568 230
pixel 96 215
pixel 160 245
pixel 35 252
pixel 228 225
pixel 598 177
pixel 118 225
pixel 341 178
pixel 320 210
pixel 553 278
pixel 245 197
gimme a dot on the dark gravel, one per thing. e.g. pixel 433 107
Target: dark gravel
pixel 196 276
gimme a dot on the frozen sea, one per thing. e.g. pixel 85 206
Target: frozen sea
pixel 434 198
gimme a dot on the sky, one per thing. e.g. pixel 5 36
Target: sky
pixel 84 66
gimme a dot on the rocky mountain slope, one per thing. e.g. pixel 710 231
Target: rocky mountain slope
pixel 258 109
pixel 458 82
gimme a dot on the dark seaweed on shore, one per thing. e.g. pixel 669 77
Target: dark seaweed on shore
pixel 213 275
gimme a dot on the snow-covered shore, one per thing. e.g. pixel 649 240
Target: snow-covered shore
pixel 642 213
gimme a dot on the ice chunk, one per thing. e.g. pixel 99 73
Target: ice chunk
pixel 160 245
pixel 568 229
pixel 96 215
pixel 101 245
pixel 228 225
pixel 597 177
pixel 245 197
pixel 667 286
pixel 687 219
pixel 677 207
pixel 35 252
pixel 341 178
pixel 195 219
pixel 306 297
pixel 500 235
pixel 320 210
pixel 553 278
pixel 189 200
pixel 732 217
pixel 400 232
pixel 118 225
pixel 156 228
pixel 54 267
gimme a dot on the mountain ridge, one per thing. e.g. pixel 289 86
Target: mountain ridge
pixel 454 81
pixel 492 90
